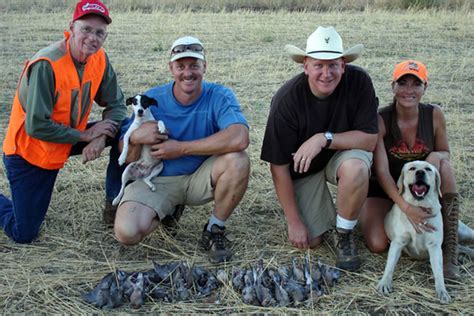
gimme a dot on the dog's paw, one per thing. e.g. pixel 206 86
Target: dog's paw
pixel 384 287
pixel 444 297
pixel 122 159
pixel 161 127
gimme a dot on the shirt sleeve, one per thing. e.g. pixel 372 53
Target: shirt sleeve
pixel 229 111
pixel 365 117
pixel 110 96
pixel 39 105
pixel 280 138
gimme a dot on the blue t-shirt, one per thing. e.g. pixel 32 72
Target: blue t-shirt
pixel 216 109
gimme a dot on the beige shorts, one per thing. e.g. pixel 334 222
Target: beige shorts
pixel 194 189
pixel 313 197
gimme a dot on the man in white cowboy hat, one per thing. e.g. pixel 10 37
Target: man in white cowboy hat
pixel 322 127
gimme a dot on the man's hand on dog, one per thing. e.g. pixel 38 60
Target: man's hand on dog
pixel 169 149
pixel 418 217
pixel 148 134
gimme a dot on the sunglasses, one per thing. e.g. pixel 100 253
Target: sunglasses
pixel 197 48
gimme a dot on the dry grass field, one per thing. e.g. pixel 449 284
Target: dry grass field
pixel 245 52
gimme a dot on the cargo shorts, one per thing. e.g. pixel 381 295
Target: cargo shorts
pixel 193 189
pixel 313 197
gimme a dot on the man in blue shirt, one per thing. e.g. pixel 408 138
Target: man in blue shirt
pixel 203 153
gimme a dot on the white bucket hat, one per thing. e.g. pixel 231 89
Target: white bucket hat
pixel 326 44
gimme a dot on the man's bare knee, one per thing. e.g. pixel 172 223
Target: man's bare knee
pixel 126 236
pixel 237 162
pixel 354 171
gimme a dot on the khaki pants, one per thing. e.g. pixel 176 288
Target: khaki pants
pixel 313 197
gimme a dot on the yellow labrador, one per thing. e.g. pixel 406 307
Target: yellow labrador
pixel 419 185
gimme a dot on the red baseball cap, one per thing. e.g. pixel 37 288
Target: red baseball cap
pixel 86 7
pixel 410 67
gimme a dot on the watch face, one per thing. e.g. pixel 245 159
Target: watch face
pixel 328 135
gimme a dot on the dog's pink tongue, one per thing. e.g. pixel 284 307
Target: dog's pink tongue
pixel 419 189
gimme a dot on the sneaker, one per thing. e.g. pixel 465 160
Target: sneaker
pixel 347 257
pixel 216 244
pixel 108 214
pixel 170 222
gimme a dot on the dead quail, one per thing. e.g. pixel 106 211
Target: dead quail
pixel 284 271
pixel 330 275
pixel 312 284
pixel 182 291
pixel 297 273
pixel 115 296
pixel 164 271
pixel 295 291
pixel 100 295
pixel 281 295
pixel 221 276
pixel 316 272
pixel 263 274
pixel 262 293
pixel 238 279
pixel 160 294
pixel 248 278
pixel 137 297
pixel 248 295
pixel 199 275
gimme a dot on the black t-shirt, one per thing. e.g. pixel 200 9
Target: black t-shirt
pixel 296 114
pixel 398 151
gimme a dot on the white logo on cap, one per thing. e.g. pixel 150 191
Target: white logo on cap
pixel 94 6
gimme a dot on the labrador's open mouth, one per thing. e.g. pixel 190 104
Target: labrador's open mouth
pixel 419 190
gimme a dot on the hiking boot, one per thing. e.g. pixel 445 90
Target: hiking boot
pixel 170 222
pixel 108 214
pixel 450 212
pixel 216 244
pixel 347 257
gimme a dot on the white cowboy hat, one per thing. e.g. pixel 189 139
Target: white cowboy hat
pixel 326 44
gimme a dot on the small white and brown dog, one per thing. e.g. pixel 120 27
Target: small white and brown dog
pixel 419 185
pixel 147 167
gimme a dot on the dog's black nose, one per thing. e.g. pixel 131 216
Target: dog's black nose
pixel 420 173
pixel 140 112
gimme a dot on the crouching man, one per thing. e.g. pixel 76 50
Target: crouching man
pixel 203 154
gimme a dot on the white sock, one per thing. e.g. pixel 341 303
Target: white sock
pixel 213 220
pixel 345 224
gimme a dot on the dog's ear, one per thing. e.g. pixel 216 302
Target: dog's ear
pixel 147 101
pixel 129 101
pixel 400 185
pixel 438 182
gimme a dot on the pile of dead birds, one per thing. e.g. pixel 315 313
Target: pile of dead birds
pixel 285 286
pixel 176 281
pixel 164 282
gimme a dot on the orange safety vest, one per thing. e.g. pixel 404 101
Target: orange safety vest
pixel 48 155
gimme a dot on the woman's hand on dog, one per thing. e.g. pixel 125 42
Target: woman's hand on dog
pixel 418 217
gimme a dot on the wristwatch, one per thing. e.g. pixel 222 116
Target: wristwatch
pixel 329 137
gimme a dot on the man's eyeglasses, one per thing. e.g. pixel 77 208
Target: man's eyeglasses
pixel 197 48
pixel 87 30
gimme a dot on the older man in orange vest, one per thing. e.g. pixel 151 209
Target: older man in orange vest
pixel 49 117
